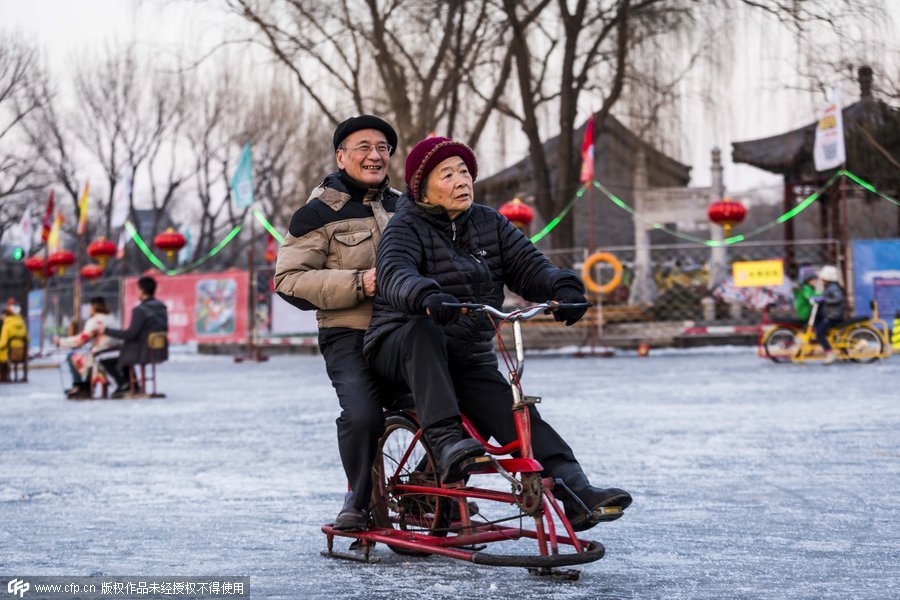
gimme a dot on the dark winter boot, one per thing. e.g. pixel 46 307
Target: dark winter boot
pixel 452 448
pixel 586 505
pixel 80 391
pixel 351 518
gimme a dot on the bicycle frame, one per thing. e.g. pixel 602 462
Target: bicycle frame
pixel 531 493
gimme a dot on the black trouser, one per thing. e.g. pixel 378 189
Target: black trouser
pixel 416 355
pixel 822 325
pixel 120 376
pixel 362 418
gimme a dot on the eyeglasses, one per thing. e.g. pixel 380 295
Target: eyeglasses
pixel 366 149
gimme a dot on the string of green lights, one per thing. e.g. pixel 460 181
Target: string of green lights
pixel 140 243
pixel 714 243
pixel 552 224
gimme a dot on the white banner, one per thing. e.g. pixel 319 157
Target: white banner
pixel 829 151
pixel 25 232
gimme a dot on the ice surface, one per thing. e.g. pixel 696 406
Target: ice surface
pixel 751 480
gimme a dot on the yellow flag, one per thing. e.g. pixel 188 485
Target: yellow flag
pixel 82 210
pixel 53 237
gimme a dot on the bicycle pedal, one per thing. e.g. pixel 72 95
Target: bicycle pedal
pixel 607 513
pixel 475 464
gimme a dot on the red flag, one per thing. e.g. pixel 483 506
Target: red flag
pixel 587 153
pixel 48 219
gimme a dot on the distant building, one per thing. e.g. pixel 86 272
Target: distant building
pixel 616 150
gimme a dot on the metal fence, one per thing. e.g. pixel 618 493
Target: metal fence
pixel 681 289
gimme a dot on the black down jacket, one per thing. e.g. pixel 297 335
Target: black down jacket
pixel 423 252
pixel 148 316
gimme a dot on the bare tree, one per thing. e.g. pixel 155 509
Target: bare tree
pixel 408 60
pixel 290 153
pixel 20 98
pixel 130 120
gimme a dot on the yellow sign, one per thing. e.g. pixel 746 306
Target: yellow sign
pixel 758 273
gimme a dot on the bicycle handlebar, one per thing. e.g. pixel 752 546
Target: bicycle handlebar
pixel 519 314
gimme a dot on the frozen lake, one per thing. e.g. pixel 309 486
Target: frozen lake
pixel 750 480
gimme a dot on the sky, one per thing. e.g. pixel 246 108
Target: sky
pixel 755 98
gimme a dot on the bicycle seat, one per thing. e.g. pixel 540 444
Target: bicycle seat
pixel 790 321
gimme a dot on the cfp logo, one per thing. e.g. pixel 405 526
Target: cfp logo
pixel 17 586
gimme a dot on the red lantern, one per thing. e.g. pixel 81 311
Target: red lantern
pixel 171 241
pixel 38 267
pixel 519 213
pixel 91 271
pixel 271 252
pixel 101 249
pixel 726 213
pixel 60 260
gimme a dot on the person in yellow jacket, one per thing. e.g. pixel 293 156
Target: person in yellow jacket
pixel 13 327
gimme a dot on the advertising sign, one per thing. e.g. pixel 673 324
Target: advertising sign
pixel 204 307
pixel 758 273
pixel 875 259
pixel 829 151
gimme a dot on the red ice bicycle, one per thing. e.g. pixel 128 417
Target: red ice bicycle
pixel 413 513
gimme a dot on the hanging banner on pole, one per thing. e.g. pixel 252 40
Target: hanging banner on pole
pixel 829 151
pixel 242 180
pixel 121 202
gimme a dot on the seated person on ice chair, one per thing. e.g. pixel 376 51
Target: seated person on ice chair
pixel 103 349
pixel 147 317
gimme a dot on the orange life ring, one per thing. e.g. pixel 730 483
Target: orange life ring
pixel 610 285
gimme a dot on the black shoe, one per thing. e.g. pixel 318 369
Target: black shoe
pixel 121 393
pixel 80 391
pixel 602 505
pixel 452 448
pixel 585 505
pixel 351 519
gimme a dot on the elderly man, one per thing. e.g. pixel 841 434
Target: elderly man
pixel 327 264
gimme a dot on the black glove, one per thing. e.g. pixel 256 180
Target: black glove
pixel 442 315
pixel 569 295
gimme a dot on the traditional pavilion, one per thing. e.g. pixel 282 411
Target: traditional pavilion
pixel 872 139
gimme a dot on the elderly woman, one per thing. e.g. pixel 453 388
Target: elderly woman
pixel 441 248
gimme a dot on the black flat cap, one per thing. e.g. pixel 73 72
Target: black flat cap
pixel 365 122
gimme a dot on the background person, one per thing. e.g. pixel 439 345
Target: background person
pixel 832 305
pixel 441 247
pixel 81 364
pixel 327 264
pixel 803 296
pixel 13 326
pixel 147 317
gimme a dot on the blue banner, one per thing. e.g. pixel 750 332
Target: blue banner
pixel 875 259
pixel 35 315
pixel 242 180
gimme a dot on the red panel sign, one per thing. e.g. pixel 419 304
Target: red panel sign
pixel 203 307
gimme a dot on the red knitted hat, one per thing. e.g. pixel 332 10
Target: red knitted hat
pixel 428 154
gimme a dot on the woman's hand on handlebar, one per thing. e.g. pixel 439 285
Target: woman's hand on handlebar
pixel 442 315
pixel 570 314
